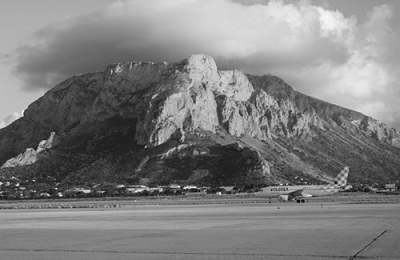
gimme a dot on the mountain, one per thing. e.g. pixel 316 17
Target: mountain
pixel 188 122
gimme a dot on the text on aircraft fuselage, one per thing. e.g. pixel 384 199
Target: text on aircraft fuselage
pixel 280 189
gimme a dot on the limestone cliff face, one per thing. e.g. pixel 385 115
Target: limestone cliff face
pixel 296 113
pixel 28 157
pixel 171 99
pixel 379 130
pixel 31 155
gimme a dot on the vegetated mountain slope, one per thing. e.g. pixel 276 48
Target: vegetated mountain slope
pixel 191 123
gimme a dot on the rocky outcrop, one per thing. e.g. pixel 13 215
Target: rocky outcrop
pixel 259 164
pixel 252 157
pixel 379 131
pixel 28 157
pixel 31 155
pixel 49 143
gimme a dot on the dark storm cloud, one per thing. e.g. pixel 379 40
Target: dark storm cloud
pixel 320 52
pixel 255 38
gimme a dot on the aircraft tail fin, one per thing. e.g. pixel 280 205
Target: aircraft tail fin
pixel 341 178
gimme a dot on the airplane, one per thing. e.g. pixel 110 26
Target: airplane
pixel 298 193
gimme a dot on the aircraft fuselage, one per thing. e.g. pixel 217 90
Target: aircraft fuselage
pixel 313 190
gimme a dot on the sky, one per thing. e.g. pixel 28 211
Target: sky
pixel 346 52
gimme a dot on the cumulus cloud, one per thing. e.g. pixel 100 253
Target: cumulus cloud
pixel 318 51
pixel 10 118
pixel 368 81
pixel 256 38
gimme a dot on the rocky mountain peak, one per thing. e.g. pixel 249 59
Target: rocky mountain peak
pixel 169 98
pixel 160 103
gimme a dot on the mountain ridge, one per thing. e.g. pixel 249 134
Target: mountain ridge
pixel 192 102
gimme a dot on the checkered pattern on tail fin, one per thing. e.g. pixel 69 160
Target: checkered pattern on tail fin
pixel 341 178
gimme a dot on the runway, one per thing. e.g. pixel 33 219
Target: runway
pixel 234 231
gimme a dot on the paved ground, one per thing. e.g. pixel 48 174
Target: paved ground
pixel 239 231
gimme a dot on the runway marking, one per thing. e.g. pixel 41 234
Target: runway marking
pixel 373 241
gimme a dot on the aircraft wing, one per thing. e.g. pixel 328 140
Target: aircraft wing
pixel 299 193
